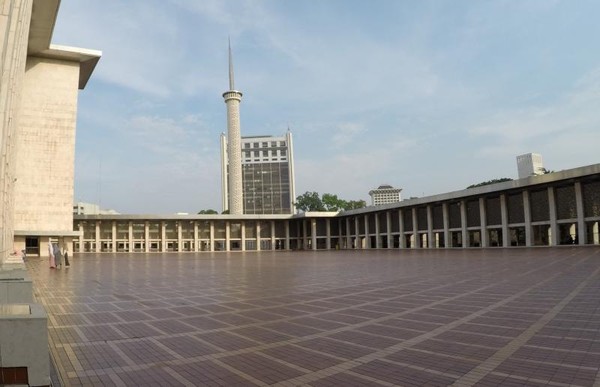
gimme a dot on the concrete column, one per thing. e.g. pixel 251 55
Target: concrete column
pixel 377 232
pixel 527 217
pixel 243 231
pixel 146 236
pixel 114 236
pixel 304 236
pixel 348 236
pixel 163 237
pixel 287 235
pixel 367 232
pixel 179 225
pixel 504 217
pixel 388 224
pixel 463 223
pixel 430 239
pixel 196 241
pixel 483 223
pixel 416 242
pixel 358 245
pixel 130 236
pixel 81 239
pixel 328 233
pixel 227 235
pixel 401 229
pixel 553 218
pixel 257 235
pixel 97 242
pixel 212 236
pixel 581 232
pixel 272 235
pixel 446 220
pixel 313 233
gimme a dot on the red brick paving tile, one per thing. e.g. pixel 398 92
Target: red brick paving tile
pixel 144 351
pixel 301 357
pixel 364 339
pixel 203 323
pixel 393 332
pixel 400 375
pixel 137 330
pixel 207 373
pixel 336 348
pixel 433 361
pixel 261 368
pixel 262 335
pixel 343 379
pixel 292 329
pixel 227 341
pixel 187 346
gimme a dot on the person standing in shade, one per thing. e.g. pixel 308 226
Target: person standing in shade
pixel 51 255
pixel 66 257
pixel 57 256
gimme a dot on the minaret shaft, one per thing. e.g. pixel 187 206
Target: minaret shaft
pixel 234 145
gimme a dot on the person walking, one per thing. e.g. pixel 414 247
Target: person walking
pixel 51 255
pixel 57 256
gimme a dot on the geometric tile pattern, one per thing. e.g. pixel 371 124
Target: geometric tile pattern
pixel 488 317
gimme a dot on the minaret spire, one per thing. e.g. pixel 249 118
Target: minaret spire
pixel 231 83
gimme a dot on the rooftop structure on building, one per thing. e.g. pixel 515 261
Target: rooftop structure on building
pixel 385 194
pixel 82 208
pixel 530 164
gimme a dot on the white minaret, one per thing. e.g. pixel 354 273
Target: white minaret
pixel 234 147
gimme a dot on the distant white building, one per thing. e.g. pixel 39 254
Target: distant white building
pixel 81 208
pixel 530 164
pixel 385 194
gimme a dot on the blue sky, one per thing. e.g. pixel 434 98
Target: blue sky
pixel 428 96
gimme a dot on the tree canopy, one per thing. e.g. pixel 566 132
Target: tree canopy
pixel 311 201
pixel 493 181
pixel 207 212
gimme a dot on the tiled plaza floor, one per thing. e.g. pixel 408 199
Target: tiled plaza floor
pixel 509 317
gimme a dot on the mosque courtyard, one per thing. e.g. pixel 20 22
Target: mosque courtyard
pixel 489 317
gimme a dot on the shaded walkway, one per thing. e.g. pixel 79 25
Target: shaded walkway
pixel 350 318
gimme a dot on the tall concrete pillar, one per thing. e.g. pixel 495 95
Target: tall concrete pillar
pixel 367 232
pixel 146 236
pixel 581 231
pixel 357 244
pixel 313 233
pixel 446 220
pixel 212 236
pixel 553 218
pixel 227 235
pixel 527 217
pixel 415 234
pixel 287 235
pixel 388 225
pixel 504 217
pixel 130 237
pixel 430 239
pixel 114 237
pixel 348 236
pixel 483 223
pixel 401 229
pixel 328 233
pixel 163 237
pixel 377 232
pixel 179 225
pixel 98 242
pixel 257 235
pixel 243 236
pixel 272 235
pixel 196 241
pixel 463 223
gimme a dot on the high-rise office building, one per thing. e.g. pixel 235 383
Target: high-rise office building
pixel 530 164
pixel 267 174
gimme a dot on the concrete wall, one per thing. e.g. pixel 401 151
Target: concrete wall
pixel 14 29
pixel 46 146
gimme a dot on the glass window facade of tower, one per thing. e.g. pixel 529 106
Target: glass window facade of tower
pixel 267 175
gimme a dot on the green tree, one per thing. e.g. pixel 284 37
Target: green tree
pixel 333 203
pixel 309 201
pixel 207 212
pixel 355 204
pixel 494 181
